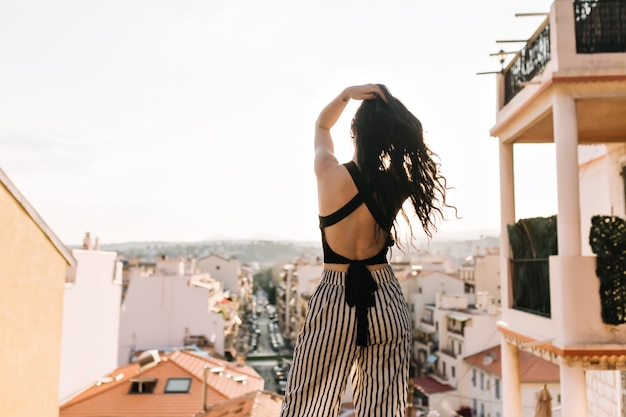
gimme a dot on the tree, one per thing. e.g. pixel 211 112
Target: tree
pixel 264 280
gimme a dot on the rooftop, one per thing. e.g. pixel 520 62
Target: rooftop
pixel 170 386
pixel 533 369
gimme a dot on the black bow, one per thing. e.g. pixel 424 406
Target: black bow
pixel 360 288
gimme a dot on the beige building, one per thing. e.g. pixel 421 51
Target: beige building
pixel 481 273
pixel 34 267
pixel 566 87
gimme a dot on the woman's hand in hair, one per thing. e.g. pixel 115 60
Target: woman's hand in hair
pixel 363 92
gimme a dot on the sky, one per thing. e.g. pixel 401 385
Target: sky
pixel 185 120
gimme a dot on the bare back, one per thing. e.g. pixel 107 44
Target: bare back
pixel 357 236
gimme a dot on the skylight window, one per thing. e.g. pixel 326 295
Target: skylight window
pixel 142 385
pixel 177 385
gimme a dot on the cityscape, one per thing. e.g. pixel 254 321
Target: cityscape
pixel 526 321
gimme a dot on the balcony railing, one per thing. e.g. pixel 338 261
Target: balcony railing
pixel 449 352
pixel 600 26
pixel 530 282
pixel 528 62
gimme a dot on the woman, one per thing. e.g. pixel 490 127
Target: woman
pixel 357 315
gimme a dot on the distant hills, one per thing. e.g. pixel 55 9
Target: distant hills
pixel 266 253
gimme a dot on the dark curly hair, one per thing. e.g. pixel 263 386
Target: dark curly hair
pixel 393 157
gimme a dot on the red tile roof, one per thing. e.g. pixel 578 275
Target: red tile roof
pixel 254 404
pixel 532 368
pixel 113 398
pixel 429 386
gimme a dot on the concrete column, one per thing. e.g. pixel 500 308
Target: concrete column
pixel 511 385
pixel 507 216
pixel 566 141
pixel 573 391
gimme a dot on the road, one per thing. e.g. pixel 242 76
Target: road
pixel 264 358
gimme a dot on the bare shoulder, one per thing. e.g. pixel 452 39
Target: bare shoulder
pixel 325 163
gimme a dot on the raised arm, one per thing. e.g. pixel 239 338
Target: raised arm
pixel 324 147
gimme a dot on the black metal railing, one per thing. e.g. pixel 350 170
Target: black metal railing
pixel 449 352
pixel 600 26
pixel 530 284
pixel 530 61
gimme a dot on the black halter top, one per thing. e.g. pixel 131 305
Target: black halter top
pixel 360 285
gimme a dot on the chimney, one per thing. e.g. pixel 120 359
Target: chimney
pixel 87 241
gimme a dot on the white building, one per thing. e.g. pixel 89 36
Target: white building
pixel 296 283
pixel 480 388
pixel 420 288
pixel 449 331
pixel 567 87
pixel 228 271
pixel 168 310
pixel 481 273
pixel 91 313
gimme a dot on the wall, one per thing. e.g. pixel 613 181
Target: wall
pixel 91 319
pixel 157 310
pixel 604 394
pixel 224 270
pixel 32 278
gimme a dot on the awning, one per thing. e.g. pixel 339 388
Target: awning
pixel 458 316
pixel 423 329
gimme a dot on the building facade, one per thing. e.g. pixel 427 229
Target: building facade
pixel 34 265
pixel 91 320
pixel 174 309
pixel 566 87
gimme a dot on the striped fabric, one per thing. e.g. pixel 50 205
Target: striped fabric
pixel 326 353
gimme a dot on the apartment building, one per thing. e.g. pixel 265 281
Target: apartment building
pixel 91 318
pixel 172 308
pixel 449 330
pixel 481 272
pixel 296 283
pixel 234 276
pixel 566 87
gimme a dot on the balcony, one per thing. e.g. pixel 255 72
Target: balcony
pixel 528 62
pixel 600 27
pixel 448 351
pixel 578 50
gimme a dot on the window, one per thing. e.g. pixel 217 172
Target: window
pixel 177 385
pixel 474 383
pixel 453 371
pixel 496 387
pixel 482 381
pixel 142 385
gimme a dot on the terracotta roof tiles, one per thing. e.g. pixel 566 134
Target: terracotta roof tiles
pixel 113 397
pixel 532 368
pixel 254 404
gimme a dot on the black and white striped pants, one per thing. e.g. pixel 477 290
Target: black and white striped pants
pixel 326 352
